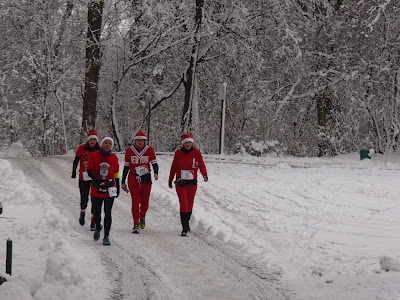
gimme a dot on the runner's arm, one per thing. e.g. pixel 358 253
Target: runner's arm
pixel 75 165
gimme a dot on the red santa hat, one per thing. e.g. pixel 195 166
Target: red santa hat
pixel 107 138
pixel 140 135
pixel 92 134
pixel 187 137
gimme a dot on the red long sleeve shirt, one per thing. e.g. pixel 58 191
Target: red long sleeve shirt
pixel 84 155
pixel 186 164
pixel 104 168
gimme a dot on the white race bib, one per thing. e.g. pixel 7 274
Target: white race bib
pixel 112 191
pixel 141 170
pixel 86 177
pixel 187 175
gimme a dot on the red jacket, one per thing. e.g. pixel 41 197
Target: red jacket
pixel 186 164
pixel 83 155
pixel 135 159
pixel 104 168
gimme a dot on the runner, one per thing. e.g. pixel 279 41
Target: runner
pixel 137 163
pixel 185 164
pixel 82 155
pixel 103 168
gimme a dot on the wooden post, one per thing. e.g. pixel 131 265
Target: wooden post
pixel 222 127
pixel 148 125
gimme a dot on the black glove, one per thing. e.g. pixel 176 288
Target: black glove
pixel 170 184
pixel 108 184
pixel 96 182
pixel 118 186
pixel 74 166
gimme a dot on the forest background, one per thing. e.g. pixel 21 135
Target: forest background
pixel 299 77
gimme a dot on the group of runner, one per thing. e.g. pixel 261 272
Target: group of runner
pixel 99 176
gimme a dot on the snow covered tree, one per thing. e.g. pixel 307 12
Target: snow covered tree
pixel 304 77
pixel 40 72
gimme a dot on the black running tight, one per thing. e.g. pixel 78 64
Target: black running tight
pixel 108 204
pixel 84 188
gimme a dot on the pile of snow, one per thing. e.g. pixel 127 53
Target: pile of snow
pixel 49 262
pixel 16 150
pixel 389 264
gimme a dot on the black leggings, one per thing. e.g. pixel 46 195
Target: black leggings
pixel 97 203
pixel 84 188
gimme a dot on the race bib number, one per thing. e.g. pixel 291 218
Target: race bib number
pixel 187 175
pixel 141 170
pixel 86 177
pixel 112 191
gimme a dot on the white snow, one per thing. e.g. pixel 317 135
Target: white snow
pixel 324 228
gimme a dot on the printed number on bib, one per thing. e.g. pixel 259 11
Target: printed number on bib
pixel 112 191
pixel 86 177
pixel 141 170
pixel 187 175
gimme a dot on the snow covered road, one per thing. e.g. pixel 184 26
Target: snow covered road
pixel 158 263
pixel 262 228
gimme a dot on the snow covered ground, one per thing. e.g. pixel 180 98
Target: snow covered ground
pixel 262 228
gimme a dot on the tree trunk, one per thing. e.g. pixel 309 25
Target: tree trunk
pixel 119 145
pixel 61 103
pixel 67 14
pixel 93 64
pixel 324 111
pixel 45 121
pixel 189 79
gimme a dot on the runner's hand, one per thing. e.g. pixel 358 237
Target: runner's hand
pixel 97 183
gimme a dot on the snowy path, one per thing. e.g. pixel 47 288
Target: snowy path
pixel 323 225
pixel 262 228
pixel 158 263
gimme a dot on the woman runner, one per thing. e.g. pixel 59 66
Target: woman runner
pixel 185 164
pixel 137 163
pixel 103 168
pixel 82 155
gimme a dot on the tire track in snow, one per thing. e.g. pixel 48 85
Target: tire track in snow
pixel 121 268
pixel 151 265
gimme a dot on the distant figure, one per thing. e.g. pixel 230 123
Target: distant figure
pixel 103 168
pixel 137 163
pixel 82 155
pixel 187 160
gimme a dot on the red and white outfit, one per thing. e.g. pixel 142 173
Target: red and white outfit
pixel 187 161
pixel 83 153
pixel 138 161
pixel 105 168
pixel 82 158
pixel 185 166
